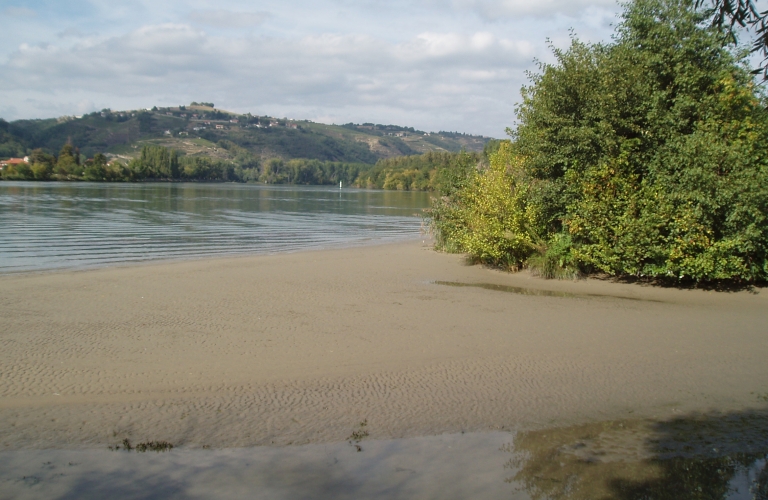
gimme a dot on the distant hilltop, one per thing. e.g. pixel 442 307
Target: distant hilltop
pixel 198 128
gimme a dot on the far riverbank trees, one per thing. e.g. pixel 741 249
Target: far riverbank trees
pixel 157 163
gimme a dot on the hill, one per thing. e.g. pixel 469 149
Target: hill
pixel 200 129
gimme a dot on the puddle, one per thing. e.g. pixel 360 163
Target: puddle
pixel 533 291
pixel 722 457
pixel 445 467
pixel 712 457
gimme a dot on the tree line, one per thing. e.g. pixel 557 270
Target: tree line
pixel 409 173
pixel 158 163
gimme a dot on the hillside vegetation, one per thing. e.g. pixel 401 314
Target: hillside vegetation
pixel 197 130
pixel 201 143
pixel 641 157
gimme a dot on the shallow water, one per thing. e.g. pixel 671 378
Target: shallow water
pixel 510 289
pixel 445 467
pixel 535 292
pixel 698 457
pixel 52 225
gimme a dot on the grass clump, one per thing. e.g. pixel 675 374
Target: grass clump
pixel 156 446
pixel 358 435
pixel 555 259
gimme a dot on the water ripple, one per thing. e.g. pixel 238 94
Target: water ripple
pixel 75 225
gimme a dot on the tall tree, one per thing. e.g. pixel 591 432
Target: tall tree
pixel 66 165
pixel 735 14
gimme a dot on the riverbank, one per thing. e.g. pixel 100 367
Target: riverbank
pixel 303 347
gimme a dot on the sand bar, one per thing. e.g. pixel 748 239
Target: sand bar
pixel 300 348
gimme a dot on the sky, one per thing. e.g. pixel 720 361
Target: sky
pixel 455 65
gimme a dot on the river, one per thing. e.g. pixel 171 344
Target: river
pixel 53 225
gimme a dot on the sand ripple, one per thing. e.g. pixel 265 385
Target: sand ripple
pixel 301 348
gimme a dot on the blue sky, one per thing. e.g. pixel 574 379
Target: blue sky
pixel 430 64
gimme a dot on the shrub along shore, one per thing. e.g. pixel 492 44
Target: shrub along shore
pixel 642 157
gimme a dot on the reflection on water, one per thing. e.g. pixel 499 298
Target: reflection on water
pixel 705 457
pixel 700 457
pixel 535 292
pixel 440 467
pixel 510 289
pixel 50 225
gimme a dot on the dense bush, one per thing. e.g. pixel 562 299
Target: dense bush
pixel 643 157
pixel 488 214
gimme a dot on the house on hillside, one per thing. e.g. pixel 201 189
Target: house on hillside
pixel 13 161
pixel 233 120
pixel 293 125
pixel 219 126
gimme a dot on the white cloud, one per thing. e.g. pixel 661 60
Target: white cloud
pixel 494 10
pixel 478 48
pixel 227 18
pixel 432 64
pixel 426 81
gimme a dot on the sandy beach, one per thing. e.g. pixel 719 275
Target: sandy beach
pixel 301 348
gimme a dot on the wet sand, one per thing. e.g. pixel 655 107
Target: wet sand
pixel 301 348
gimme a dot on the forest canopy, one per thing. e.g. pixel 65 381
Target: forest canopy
pixel 645 156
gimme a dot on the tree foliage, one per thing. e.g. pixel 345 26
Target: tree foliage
pixel 413 172
pixel 485 211
pixel 158 163
pixel 643 157
pixel 732 15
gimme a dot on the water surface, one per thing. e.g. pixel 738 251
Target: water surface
pixel 537 292
pixel 719 457
pixel 51 225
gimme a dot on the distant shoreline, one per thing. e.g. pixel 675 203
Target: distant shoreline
pixel 194 181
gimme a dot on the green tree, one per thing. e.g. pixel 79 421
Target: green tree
pixel 273 172
pixel 731 15
pixel 643 156
pixel 159 163
pixel 96 169
pixel 41 171
pixel 66 165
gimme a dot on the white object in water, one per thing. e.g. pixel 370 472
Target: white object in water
pixel 339 184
